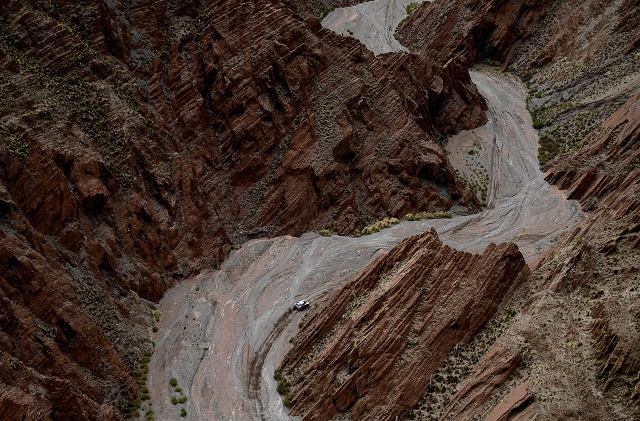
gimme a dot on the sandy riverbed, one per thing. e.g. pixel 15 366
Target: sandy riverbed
pixel 224 332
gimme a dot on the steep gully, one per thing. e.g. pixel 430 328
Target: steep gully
pixel 224 332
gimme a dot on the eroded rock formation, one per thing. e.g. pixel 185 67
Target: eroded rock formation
pixel 371 349
pixel 531 31
pixel 606 171
pixel 570 351
pixel 142 140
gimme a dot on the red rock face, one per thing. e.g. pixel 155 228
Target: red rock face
pixel 605 172
pixel 591 273
pixel 142 140
pixel 496 30
pixel 372 348
pixel 473 30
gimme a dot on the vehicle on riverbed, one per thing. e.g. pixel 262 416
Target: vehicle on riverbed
pixel 301 305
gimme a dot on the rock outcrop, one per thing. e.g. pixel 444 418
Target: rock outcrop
pixel 373 347
pixel 142 140
pixel 571 350
pixel 530 31
pixel 605 172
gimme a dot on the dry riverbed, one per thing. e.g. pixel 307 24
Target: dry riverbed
pixel 223 332
pixel 374 23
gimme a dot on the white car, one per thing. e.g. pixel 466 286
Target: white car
pixel 301 305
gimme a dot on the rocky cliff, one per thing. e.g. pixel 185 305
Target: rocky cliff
pixel 570 351
pixel 531 32
pixel 373 347
pixel 142 140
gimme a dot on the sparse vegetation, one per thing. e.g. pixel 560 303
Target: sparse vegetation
pixel 325 12
pixel 411 7
pixel 14 143
pixel 477 176
pixel 181 399
pixel 325 233
pixel 427 215
pixel 457 366
pixel 132 409
pixel 284 388
pixel 376 226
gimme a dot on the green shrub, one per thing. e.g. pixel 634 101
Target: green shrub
pixel 538 124
pixel 174 400
pixel 283 387
pixel 155 328
pixel 182 399
pixel 436 215
pixel 183 412
pixel 325 233
pixel 412 7
pixel 173 381
pixel 156 315
pixel 287 401
pixel 178 389
pixel 325 12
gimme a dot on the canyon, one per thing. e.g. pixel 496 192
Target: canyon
pixel 163 164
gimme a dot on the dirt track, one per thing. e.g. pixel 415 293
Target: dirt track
pixel 223 333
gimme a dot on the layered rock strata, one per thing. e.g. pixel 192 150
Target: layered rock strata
pixel 371 349
pixel 606 171
pixel 530 32
pixel 142 140
pixel 577 312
